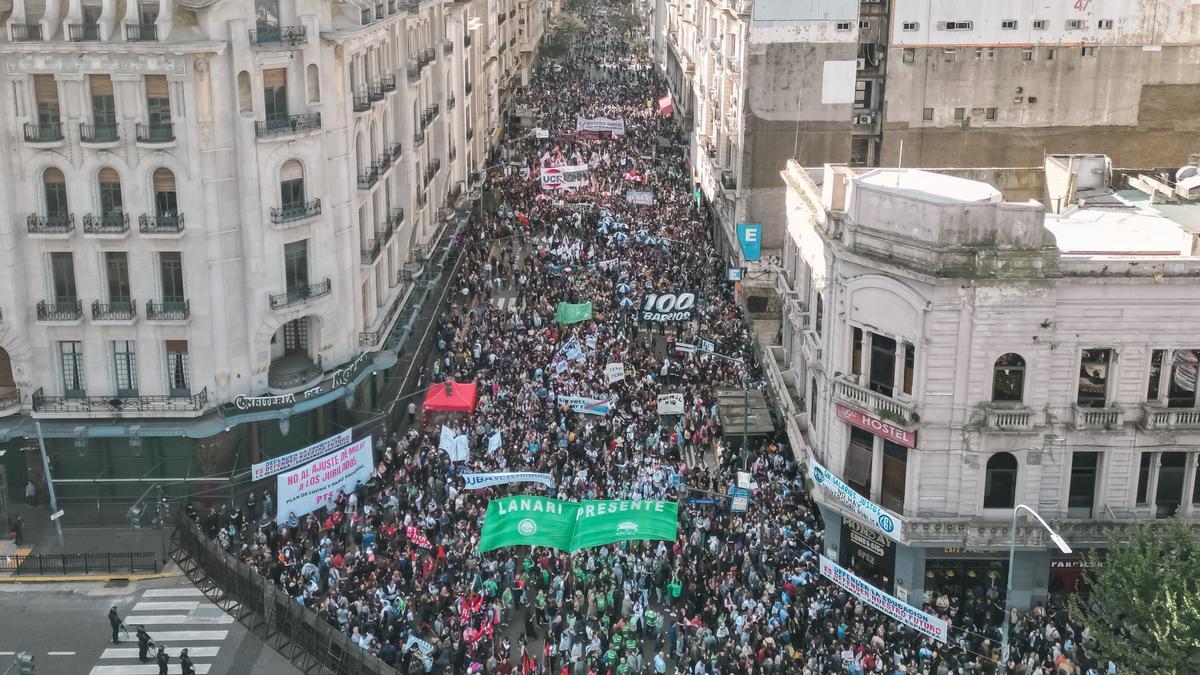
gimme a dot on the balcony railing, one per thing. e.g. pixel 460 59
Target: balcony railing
pixel 418 139
pixel 450 102
pixel 296 378
pixel 375 92
pixel 361 104
pixel 54 223
pixel 98 133
pixel 427 56
pixel 141 32
pixel 370 252
pixel 286 126
pixel 368 177
pixel 83 32
pixel 1155 417
pixel 274 35
pixel 292 212
pixel 388 83
pixel 43 133
pixel 26 32
pixel 395 218
pixel 169 224
pixel 300 294
pixel 1098 418
pixel 384 161
pixel 168 310
pixel 106 223
pixel 119 404
pixel 62 310
pixel 119 310
pixel 1009 419
pixel 159 132
pixel 396 150
pixel 876 403
pixel 811 347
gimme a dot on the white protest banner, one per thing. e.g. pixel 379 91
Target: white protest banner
pixel 318 482
pixel 420 644
pixel 670 404
pixel 462 449
pixel 446 442
pixel 598 124
pixel 859 506
pixel 667 307
pixel 478 481
pixel 639 197
pixel 583 404
pixel 494 442
pixel 590 341
pixel 560 367
pixel 884 602
pixel 294 459
pixel 559 177
pixel 614 372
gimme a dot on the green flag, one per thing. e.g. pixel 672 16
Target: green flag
pixel 526 520
pixel 568 313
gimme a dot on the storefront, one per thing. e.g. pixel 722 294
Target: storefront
pixel 965 573
pixel 868 553
pixel 1068 573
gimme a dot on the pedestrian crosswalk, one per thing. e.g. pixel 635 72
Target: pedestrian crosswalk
pixel 175 618
pixel 505 302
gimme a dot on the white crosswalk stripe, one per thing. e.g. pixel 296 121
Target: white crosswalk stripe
pixel 175 618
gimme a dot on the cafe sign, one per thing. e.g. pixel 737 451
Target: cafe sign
pixel 877 426
pixel 341 377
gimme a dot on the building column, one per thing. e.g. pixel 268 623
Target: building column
pixel 910 574
pixel 1030 575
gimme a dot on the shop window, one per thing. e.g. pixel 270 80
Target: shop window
pixel 1000 482
pixel 1093 377
pixel 1008 379
pixel 895 475
pixel 1081 494
pixel 1168 493
pixel 859 453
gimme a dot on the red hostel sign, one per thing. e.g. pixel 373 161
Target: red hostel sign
pixel 877 426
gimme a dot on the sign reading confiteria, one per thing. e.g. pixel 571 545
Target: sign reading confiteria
pixel 294 459
pixel 884 602
pixel 877 426
pixel 341 377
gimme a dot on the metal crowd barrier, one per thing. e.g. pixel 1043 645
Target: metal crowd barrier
pixel 67 564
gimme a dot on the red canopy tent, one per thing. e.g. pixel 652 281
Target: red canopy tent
pixel 452 396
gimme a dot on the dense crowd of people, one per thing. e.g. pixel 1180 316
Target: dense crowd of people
pixel 395 563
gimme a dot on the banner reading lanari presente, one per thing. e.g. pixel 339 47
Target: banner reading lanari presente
pixel 526 520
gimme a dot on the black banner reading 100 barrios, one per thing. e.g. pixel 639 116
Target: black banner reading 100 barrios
pixel 667 307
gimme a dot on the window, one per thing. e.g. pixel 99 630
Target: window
pixel 1008 24
pixel 910 25
pixel 1088 51
pixel 295 337
pixel 960 114
pixel 1181 388
pixel 1093 377
pixel 859 453
pixel 124 367
pixel 313 80
pixel 1143 484
pixel 882 373
pixel 158 101
pixel 1026 54
pixel 295 265
pixel 1039 24
pixel 275 94
pixel 62 277
pixel 860 151
pixel 882 362
pixel 179 368
pixel 1168 494
pixel 1076 24
pixel 1000 482
pixel 949 54
pixel 958 25
pixel 116 276
pixel 1008 379
pixel 895 475
pixel 108 183
pixel 1156 361
pixel 842 25
pixel 245 103
pixel 909 55
pixel 45 94
pixel 54 187
pixel 1081 493
pixel 147 12
pixel 291 185
pixel 104 107
pixel 990 114
pixel 170 272
pixel 1104 24
pixel 70 358
pixel 910 366
pixel 1049 57
pixel 927 114
pixel 166 204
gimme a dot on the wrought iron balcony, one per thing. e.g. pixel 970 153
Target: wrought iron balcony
pixel 396 150
pixel 450 103
pixel 287 126
pixel 169 224
pixel 395 218
pixel 98 133
pixel 61 310
pixel 83 32
pixel 189 403
pixel 106 223
pixel 119 310
pixel 53 223
pixel 141 32
pixel 298 211
pixel 427 56
pixel 295 377
pixel 375 92
pixel 388 83
pixel 26 32
pixel 159 132
pixel 361 104
pixel 168 310
pixel 274 35
pixel 418 139
pixel 43 133
pixel 384 161
pixel 300 294
pixel 368 177
pixel 370 252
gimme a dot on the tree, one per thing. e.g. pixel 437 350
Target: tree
pixel 1144 607
pixel 564 31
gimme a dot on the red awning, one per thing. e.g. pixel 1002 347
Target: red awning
pixel 458 396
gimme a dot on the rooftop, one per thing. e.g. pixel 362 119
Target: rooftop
pixel 929 186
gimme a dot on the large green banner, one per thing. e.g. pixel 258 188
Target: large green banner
pixel 527 520
pixel 568 313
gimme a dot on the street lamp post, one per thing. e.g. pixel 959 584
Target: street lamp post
pixel 1012 550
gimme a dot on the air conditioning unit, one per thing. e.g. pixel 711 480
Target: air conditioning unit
pixel 864 119
pixel 862 63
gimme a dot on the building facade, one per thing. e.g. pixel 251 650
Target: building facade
pixel 949 355
pixel 214 212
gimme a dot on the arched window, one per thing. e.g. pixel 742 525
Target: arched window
pixel 245 96
pixel 54 185
pixel 108 183
pixel 165 203
pixel 1008 379
pixel 1000 482
pixel 314 83
pixel 291 185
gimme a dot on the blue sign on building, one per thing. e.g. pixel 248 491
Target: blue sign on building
pixel 750 238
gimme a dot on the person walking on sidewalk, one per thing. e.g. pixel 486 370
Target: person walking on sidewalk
pixel 19 530
pixel 162 659
pixel 144 644
pixel 114 620
pixel 31 492
pixel 185 664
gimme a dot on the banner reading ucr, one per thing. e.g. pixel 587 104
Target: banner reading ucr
pixel 888 604
pixel 527 520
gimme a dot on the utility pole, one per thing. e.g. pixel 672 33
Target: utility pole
pixel 49 485
pixel 162 523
